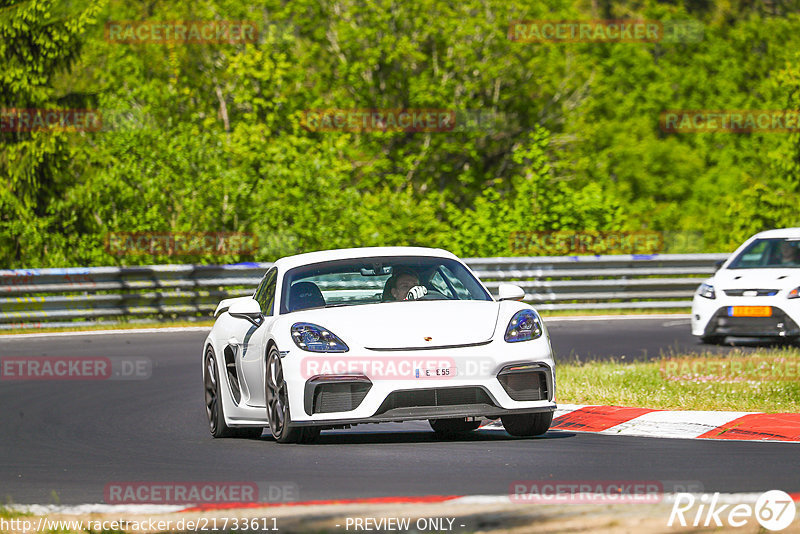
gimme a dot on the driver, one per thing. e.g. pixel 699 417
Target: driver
pixel 404 285
pixel 789 253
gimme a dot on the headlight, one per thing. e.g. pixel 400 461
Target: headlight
pixel 524 326
pixel 706 291
pixel 794 293
pixel 314 338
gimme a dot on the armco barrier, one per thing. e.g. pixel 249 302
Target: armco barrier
pixel 37 297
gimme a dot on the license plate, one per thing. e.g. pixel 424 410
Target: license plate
pixel 438 372
pixel 749 311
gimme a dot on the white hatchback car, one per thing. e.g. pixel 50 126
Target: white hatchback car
pixel 342 337
pixel 755 293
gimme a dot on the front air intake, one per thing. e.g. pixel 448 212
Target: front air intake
pixel 525 382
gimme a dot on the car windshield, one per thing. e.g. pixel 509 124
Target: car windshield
pixel 769 253
pixel 374 280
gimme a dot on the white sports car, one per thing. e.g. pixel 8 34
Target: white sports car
pixel 341 337
pixel 755 293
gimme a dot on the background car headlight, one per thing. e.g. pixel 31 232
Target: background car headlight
pixel 524 326
pixel 794 293
pixel 314 338
pixel 706 291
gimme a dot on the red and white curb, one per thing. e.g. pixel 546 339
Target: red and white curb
pixel 617 420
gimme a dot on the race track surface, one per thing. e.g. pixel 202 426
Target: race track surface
pixel 63 442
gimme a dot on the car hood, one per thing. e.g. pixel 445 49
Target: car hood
pixel 405 325
pixel 757 278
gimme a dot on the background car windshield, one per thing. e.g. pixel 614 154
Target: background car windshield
pixel 772 253
pixel 370 281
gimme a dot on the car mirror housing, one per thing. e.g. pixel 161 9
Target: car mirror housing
pixel 249 310
pixel 510 292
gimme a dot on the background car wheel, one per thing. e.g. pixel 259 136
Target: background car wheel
pixel 527 424
pixel 277 394
pixel 214 410
pixel 449 427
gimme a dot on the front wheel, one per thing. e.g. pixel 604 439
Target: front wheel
pixel 527 424
pixel 277 395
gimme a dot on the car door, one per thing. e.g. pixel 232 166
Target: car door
pixel 251 358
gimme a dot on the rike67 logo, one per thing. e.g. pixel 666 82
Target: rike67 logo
pixel 774 510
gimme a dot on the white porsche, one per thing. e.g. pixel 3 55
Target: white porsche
pixel 343 337
pixel 755 293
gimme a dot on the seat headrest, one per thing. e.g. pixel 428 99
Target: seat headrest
pixel 304 295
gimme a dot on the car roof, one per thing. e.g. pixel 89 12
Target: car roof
pixel 307 258
pixel 779 232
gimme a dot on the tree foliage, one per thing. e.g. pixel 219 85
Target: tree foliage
pixel 211 137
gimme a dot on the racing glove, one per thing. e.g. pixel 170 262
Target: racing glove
pixel 416 292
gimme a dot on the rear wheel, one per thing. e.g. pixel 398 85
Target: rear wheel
pixel 214 410
pixel 527 424
pixel 450 427
pixel 277 395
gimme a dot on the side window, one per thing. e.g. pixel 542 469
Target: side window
pixel 265 295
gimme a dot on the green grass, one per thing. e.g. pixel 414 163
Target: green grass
pixel 618 311
pixel 117 326
pixel 734 382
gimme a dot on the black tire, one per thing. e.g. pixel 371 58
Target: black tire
pixel 277 397
pixel 214 410
pixel 711 340
pixel 452 427
pixel 527 424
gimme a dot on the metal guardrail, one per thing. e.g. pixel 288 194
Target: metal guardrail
pixel 50 297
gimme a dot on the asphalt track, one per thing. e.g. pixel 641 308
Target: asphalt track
pixel 63 442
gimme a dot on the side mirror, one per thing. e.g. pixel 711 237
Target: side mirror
pixel 510 292
pixel 248 309
pixel 718 264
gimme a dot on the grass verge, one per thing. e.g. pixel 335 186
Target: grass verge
pixel 619 311
pixel 115 326
pixel 765 380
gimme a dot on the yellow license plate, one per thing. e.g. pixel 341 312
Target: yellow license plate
pixel 749 311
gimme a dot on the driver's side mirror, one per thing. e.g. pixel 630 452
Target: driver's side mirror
pixel 248 309
pixel 510 292
pixel 718 264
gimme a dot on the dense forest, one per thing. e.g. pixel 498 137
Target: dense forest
pixel 548 136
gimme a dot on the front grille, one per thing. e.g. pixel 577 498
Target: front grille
pixel 339 397
pixel 423 398
pixel 525 382
pixel 758 292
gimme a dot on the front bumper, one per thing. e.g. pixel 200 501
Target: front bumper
pixel 711 318
pixel 492 380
